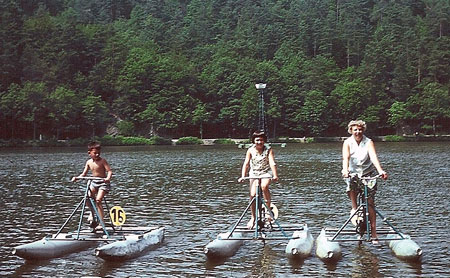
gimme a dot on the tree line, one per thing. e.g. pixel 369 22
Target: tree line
pixel 173 68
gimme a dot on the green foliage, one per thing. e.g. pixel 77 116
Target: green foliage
pixel 156 140
pixel 200 116
pixel 130 141
pixel 189 141
pixel 126 128
pixel 394 138
pixel 224 141
pixel 248 113
pixel 314 113
pixel 177 68
pixel 398 113
pixel 108 140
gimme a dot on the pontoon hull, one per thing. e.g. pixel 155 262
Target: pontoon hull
pixel 326 250
pixel 406 248
pixel 48 248
pixel 132 246
pixel 302 246
pixel 222 247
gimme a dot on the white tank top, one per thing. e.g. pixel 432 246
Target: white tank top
pixel 359 161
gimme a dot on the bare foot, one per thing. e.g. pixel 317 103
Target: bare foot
pixel 250 223
pixel 375 241
pixel 90 217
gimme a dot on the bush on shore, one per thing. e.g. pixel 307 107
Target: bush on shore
pixel 224 141
pixel 394 138
pixel 106 140
pixel 189 141
pixel 133 141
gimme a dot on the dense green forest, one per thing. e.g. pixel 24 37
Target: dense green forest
pixel 172 68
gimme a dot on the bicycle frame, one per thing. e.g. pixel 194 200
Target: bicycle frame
pixel 260 205
pixel 363 227
pixel 86 201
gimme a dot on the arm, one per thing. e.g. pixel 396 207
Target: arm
pixel 84 173
pixel 374 158
pixel 245 166
pixel 273 165
pixel 108 171
pixel 345 159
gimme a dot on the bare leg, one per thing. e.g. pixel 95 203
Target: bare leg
pixel 266 193
pixel 352 195
pixel 98 203
pixel 253 186
pixel 372 218
pixel 92 193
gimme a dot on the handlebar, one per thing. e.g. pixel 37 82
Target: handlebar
pixel 89 178
pixel 364 178
pixel 255 178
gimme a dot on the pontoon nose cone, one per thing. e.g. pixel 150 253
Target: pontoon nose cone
pixel 419 252
pixel 206 250
pixel 294 251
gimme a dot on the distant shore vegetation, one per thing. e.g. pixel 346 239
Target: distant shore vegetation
pixel 160 141
pixel 173 69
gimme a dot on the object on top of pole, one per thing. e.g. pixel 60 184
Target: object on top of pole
pixel 260 86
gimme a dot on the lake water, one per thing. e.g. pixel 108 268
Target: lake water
pixel 193 192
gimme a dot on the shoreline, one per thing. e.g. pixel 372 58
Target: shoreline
pixel 219 141
pixel 306 140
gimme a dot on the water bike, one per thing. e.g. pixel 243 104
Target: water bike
pixel 117 241
pixel 265 228
pixel 357 228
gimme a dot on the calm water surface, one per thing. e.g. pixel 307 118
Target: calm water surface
pixel 193 192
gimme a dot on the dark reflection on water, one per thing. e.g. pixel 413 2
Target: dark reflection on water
pixel 192 191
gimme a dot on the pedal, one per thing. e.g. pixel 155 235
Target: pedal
pixel 269 226
pixel 93 224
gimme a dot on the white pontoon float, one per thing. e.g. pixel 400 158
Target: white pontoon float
pixel 299 245
pixel 327 243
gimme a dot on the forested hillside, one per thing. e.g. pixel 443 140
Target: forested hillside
pixel 71 68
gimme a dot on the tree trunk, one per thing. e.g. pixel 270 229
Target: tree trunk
pixel 34 131
pixel 434 127
pixel 274 129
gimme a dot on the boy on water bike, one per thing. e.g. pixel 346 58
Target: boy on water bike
pixel 99 168
pixel 261 161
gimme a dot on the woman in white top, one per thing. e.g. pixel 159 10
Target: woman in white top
pixel 261 161
pixel 359 157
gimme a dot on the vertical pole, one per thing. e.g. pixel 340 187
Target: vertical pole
pixel 85 200
pixel 366 211
pixel 262 117
pixel 261 111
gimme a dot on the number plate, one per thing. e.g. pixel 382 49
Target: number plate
pixel 117 215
